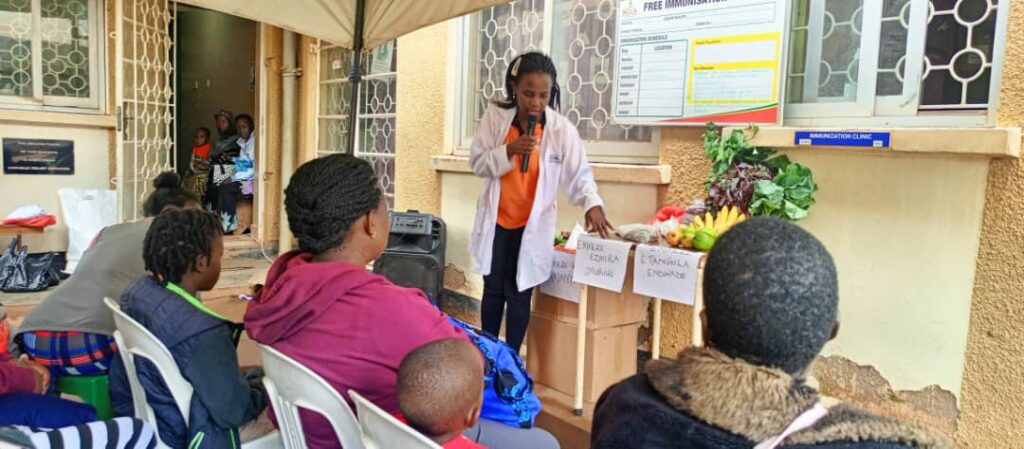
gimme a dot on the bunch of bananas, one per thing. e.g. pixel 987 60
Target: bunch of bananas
pixel 702 232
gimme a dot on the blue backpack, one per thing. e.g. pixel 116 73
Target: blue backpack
pixel 508 387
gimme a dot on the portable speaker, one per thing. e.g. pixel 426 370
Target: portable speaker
pixel 415 253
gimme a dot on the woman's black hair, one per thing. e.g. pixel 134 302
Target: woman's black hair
pixel 326 196
pixel 168 192
pixel 532 62
pixel 175 240
pixel 247 119
pixel 205 131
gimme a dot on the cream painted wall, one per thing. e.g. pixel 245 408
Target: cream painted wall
pixel 904 234
pixel 91 172
pixel 625 203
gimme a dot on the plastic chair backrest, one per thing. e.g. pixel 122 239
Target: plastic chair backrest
pixel 383 431
pixel 133 338
pixel 292 386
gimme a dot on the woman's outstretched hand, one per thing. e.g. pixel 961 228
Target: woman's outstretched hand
pixel 597 222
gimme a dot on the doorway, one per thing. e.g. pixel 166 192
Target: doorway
pixel 216 70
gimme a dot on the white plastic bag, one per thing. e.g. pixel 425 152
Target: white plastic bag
pixel 86 212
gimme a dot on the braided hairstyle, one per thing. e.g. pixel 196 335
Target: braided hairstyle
pixel 532 62
pixel 168 192
pixel 175 240
pixel 326 196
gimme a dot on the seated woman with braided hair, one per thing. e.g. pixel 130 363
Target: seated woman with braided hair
pixel 322 308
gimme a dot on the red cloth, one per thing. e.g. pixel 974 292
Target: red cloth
pixel 39 221
pixel 15 379
pixel 349 326
pixel 460 442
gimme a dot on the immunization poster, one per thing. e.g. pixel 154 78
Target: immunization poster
pixel 687 62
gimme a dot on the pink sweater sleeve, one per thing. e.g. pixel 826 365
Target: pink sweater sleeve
pixel 15 379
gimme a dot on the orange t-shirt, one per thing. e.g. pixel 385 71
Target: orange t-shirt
pixel 517 188
pixel 201 152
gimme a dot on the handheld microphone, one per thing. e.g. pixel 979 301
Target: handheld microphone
pixel 531 124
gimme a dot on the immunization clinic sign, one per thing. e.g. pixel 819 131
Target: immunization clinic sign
pixel 687 62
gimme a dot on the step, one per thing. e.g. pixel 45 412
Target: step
pixel 556 416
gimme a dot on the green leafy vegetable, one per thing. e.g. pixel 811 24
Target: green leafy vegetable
pixel 789 195
pixel 734 149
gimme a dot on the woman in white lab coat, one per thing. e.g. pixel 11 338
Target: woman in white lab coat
pixel 514 230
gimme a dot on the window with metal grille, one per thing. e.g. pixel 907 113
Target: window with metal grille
pixel 579 35
pixel 50 53
pixel 899 62
pixel 375 122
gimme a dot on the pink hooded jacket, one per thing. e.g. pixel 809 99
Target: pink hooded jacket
pixel 349 326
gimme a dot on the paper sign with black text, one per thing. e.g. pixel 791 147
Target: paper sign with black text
pixel 601 263
pixel 666 273
pixel 560 284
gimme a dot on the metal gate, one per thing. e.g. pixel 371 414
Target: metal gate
pixel 144 73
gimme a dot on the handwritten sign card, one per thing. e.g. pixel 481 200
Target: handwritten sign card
pixel 601 263
pixel 560 284
pixel 666 273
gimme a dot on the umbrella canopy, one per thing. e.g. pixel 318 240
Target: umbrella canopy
pixel 335 20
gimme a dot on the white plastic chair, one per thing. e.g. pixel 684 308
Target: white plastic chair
pixel 292 386
pixel 383 431
pixel 132 338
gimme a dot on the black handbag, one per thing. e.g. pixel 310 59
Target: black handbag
pixel 21 272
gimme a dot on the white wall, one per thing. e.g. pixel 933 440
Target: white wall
pixel 92 146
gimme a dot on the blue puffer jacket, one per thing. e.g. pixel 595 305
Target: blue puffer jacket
pixel 203 345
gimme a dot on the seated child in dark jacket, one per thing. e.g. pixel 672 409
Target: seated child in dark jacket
pixel 182 253
pixel 440 391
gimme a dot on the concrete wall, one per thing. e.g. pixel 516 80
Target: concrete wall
pixel 215 54
pixel 993 389
pixel 92 146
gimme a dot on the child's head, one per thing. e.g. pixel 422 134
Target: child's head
pixel 201 137
pixel 244 125
pixel 168 194
pixel 440 387
pixel 185 246
pixel 531 84
pixel 770 295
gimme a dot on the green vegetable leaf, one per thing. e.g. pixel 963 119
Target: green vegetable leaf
pixel 794 212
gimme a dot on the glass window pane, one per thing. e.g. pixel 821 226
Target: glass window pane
pixel 16 48
pixel 500 33
pixel 835 32
pixel 958 54
pixel 892 50
pixel 583 48
pixel 65 46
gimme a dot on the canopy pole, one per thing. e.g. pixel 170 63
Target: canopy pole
pixel 356 75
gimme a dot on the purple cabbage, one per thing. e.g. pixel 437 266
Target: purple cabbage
pixel 735 187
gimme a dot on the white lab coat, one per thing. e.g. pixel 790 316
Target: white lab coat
pixel 563 164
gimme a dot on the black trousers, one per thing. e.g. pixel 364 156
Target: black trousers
pixel 501 292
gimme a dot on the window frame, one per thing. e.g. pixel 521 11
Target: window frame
pixel 97 69
pixel 463 45
pixel 902 110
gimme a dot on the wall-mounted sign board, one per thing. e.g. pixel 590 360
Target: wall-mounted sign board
pixel 39 157
pixel 687 62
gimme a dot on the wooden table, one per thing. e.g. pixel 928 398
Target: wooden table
pixel 18 230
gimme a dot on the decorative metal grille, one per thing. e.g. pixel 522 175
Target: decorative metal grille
pixel 582 44
pixel 65 48
pixel 892 54
pixel 147 99
pixel 837 32
pixel 958 54
pixel 16 48
pixel 376 111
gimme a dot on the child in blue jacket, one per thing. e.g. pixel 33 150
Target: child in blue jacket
pixel 182 253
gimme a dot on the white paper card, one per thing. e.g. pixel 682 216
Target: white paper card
pixel 574 237
pixel 601 263
pixel 560 284
pixel 666 273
